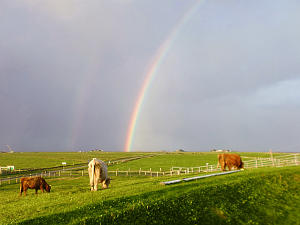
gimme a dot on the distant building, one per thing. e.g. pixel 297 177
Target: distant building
pixel 96 150
pixel 180 150
pixel 220 150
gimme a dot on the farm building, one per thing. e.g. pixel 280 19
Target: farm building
pixel 220 150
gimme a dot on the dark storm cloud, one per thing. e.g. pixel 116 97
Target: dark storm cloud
pixel 70 73
pixel 225 59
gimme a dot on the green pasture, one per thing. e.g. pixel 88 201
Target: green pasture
pixel 35 160
pixel 253 196
pixel 166 161
pixel 162 160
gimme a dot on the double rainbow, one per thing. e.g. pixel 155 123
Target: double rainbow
pixel 158 59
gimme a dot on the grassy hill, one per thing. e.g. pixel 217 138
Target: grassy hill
pixel 256 196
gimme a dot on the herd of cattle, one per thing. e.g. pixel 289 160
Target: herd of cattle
pixel 98 174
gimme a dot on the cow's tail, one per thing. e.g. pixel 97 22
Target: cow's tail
pixel 93 171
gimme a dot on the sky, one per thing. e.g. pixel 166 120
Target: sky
pixel 226 75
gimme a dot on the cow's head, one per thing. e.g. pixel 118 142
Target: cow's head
pixel 241 166
pixel 106 182
pixel 47 187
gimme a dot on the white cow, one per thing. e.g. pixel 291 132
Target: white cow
pixel 98 174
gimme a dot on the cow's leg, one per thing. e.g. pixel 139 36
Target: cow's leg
pixel 229 166
pixel 36 190
pixel 223 165
pixel 90 169
pixel 25 191
pixel 96 183
pixel 21 189
pixel 103 184
pixel 97 176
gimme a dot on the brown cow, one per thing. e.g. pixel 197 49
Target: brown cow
pixel 230 160
pixel 33 183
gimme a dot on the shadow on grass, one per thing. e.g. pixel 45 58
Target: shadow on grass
pixel 233 200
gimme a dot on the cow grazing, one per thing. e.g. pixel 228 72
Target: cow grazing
pixel 33 183
pixel 98 174
pixel 230 160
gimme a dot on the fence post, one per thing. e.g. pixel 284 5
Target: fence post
pixel 116 172
pixel 157 173
pixel 150 172
pixel 140 171
pixel 82 172
pixel 256 162
pixel 271 156
pixel 59 173
pixel 206 167
pixel 16 180
pixel 296 161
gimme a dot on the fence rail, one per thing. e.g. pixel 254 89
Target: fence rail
pixel 279 161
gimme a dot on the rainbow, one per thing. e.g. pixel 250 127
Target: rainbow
pixel 80 108
pixel 155 64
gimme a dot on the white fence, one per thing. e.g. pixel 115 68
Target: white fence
pixel 278 161
pixel 6 169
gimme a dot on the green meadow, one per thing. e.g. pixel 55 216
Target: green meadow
pixel 253 196
pixel 35 160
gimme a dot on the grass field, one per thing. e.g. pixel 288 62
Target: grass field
pixel 52 159
pixel 256 196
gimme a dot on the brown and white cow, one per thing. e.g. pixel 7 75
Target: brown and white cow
pixel 33 183
pixel 230 160
pixel 98 174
